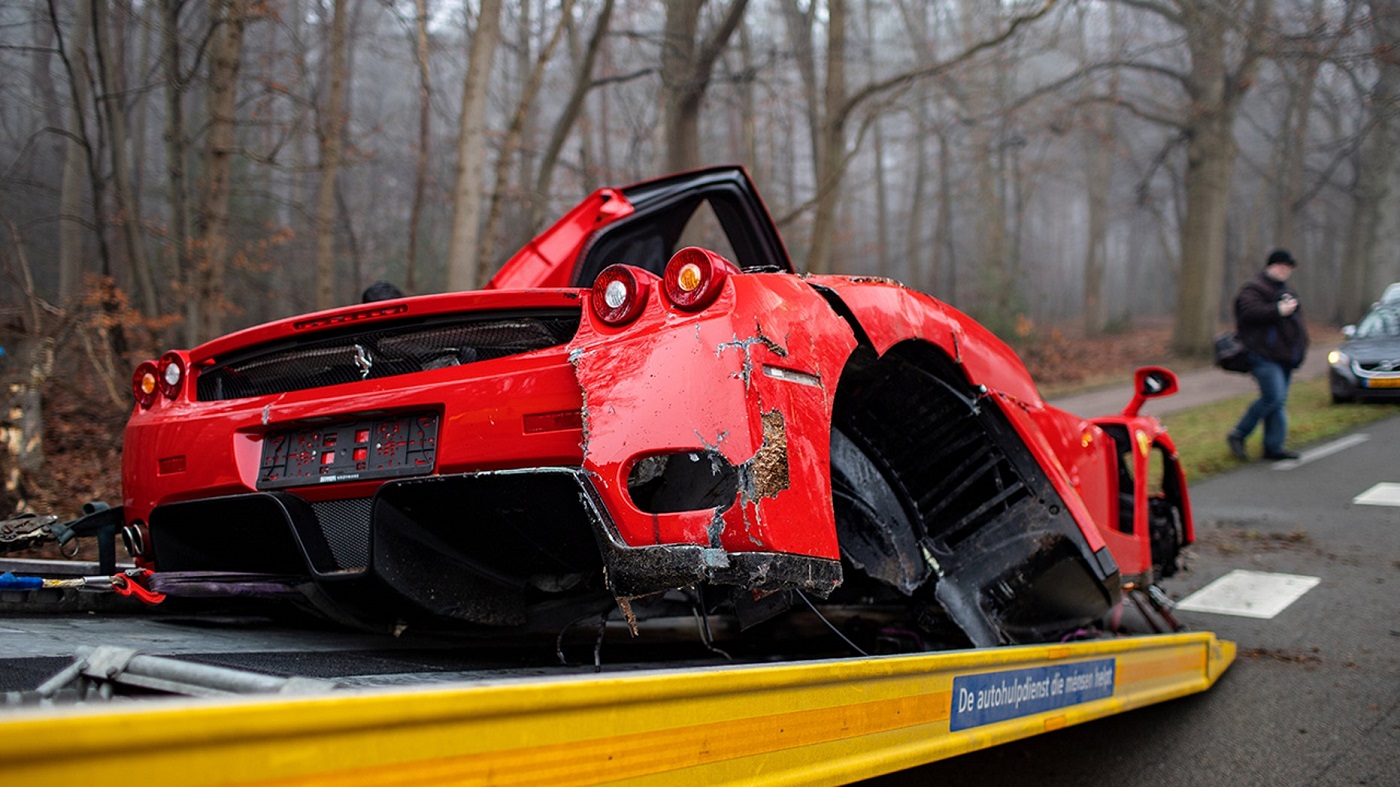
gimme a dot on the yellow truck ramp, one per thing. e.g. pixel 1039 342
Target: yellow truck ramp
pixel 813 722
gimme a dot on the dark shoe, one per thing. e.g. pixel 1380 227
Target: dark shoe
pixel 1237 446
pixel 1280 455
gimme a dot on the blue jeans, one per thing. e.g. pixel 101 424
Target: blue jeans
pixel 1273 379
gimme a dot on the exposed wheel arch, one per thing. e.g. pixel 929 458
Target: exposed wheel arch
pixel 955 513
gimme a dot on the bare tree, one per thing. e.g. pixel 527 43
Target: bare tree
pixel 128 208
pixel 22 430
pixel 471 151
pixel 487 257
pixel 1100 140
pixel 687 66
pixel 841 106
pixel 75 150
pixel 176 150
pixel 799 21
pixel 421 55
pixel 1224 43
pixel 330 138
pixel 212 215
pixel 1376 163
pixel 568 117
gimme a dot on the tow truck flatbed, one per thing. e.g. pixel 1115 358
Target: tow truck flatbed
pixel 809 722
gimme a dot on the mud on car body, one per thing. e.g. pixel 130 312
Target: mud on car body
pixel 646 398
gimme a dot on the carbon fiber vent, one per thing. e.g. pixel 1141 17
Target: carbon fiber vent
pixel 386 352
pixel 345 525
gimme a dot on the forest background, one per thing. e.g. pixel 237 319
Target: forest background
pixel 171 170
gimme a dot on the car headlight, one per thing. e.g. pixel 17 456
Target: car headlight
pixel 1338 358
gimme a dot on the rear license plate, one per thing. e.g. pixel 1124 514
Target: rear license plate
pixel 1383 382
pixel 363 450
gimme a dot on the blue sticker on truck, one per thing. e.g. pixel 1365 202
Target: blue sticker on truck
pixel 990 697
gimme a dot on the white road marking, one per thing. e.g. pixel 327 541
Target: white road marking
pixel 1249 594
pixel 1383 494
pixel 1322 451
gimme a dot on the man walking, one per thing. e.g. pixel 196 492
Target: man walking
pixel 1269 322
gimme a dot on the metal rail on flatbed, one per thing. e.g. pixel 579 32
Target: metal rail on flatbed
pixel 815 722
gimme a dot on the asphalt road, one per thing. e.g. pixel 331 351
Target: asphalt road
pixel 1314 695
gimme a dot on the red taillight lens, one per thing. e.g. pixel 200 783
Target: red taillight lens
pixel 620 294
pixel 145 384
pixel 172 375
pixel 694 278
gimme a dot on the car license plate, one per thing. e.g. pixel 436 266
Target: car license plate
pixel 362 450
pixel 1383 382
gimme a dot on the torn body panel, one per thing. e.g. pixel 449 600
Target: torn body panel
pixel 747 382
pixel 1013 548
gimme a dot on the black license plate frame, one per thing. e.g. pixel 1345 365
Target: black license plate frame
pixel 364 449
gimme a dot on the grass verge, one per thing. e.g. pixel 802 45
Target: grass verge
pixel 1199 433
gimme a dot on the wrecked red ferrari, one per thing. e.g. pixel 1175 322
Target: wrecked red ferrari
pixel 646 402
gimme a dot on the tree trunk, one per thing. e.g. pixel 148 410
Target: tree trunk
pixel 176 149
pixel 748 108
pixel 70 232
pixel 225 62
pixel 570 115
pixel 1100 141
pixel 1292 148
pixel 915 238
pixel 882 210
pixel 1098 177
pixel 78 65
pixel 487 249
pixel 686 70
pixel 332 129
pixel 24 417
pixel 1214 92
pixel 945 259
pixel 1210 156
pixel 832 143
pixel 420 170
pixel 128 209
pixel 28 366
pixel 799 29
pixel 1375 168
pixel 471 151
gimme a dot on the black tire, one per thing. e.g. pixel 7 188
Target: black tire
pixel 1342 392
pixel 1165 536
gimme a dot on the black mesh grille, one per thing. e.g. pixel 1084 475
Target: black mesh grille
pixel 345 525
pixel 370 355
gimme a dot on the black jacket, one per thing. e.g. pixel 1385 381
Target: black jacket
pixel 1262 329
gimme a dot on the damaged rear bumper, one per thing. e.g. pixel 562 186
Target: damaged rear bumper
pixel 477 547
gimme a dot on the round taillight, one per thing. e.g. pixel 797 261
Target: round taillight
pixel 172 375
pixel 620 294
pixel 694 277
pixel 145 383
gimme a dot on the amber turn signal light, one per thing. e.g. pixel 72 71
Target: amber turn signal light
pixel 694 278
